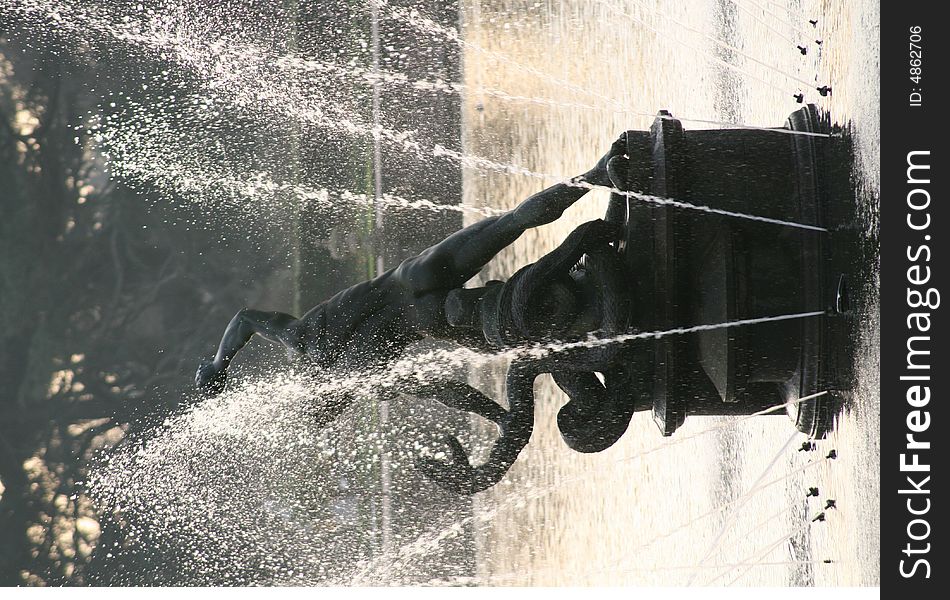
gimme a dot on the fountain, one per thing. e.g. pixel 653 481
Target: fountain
pixel 705 232
pixel 725 231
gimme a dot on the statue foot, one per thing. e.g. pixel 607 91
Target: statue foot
pixel 209 379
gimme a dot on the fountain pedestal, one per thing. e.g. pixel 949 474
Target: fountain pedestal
pixel 691 267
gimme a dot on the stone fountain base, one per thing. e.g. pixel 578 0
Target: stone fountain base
pixel 691 267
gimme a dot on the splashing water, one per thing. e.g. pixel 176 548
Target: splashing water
pixel 394 565
pixel 148 150
pixel 247 77
pixel 139 148
pixel 231 469
pixel 214 482
pixel 241 484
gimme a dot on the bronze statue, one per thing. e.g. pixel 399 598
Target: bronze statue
pixel 575 290
pixel 567 294
pixel 371 323
pixel 596 416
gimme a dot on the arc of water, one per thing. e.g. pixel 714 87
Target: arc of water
pixel 423 24
pixel 226 66
pixel 744 533
pixel 222 68
pixel 69 16
pixel 457 88
pixel 429 366
pixel 756 558
pixel 759 488
pixel 717 509
pixel 731 518
pixel 402 139
pixel 541 350
pixel 731 48
pixel 483 163
pixel 430 542
pixel 253 185
pixel 785 20
pixel 743 8
pixel 716 211
pixel 709 57
pixel 294 63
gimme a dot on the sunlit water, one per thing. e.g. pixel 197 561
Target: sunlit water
pixel 682 515
pixel 245 492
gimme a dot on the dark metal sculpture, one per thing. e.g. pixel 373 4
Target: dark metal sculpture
pixel 680 267
pixel 577 289
pixel 644 267
pixel 371 323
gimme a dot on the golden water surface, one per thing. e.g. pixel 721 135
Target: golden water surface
pixel 550 85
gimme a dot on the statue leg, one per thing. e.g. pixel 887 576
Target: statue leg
pixel 461 396
pixel 458 474
pixel 273 326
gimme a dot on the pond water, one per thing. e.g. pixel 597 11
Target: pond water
pixel 723 501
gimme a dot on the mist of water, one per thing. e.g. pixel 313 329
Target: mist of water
pixel 225 479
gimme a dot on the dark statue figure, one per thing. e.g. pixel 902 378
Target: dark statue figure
pixel 763 256
pixel 576 289
pixel 569 293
